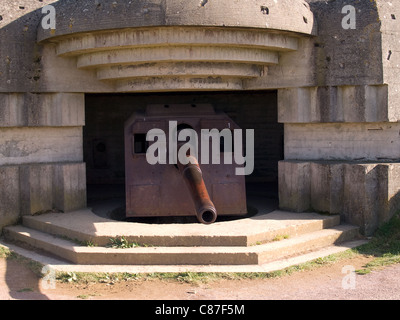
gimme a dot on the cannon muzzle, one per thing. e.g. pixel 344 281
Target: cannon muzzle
pixel 205 209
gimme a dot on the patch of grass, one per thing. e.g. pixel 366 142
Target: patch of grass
pixel 384 246
pixel 87 296
pixel 85 243
pixel 66 276
pixel 95 277
pixel 281 237
pixel 4 252
pixel 89 243
pixel 122 243
pixel 195 278
pixel 278 237
pixel 363 271
pixel 25 290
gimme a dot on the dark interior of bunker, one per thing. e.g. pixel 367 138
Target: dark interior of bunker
pixel 103 141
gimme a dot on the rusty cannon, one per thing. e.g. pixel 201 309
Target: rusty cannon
pixel 166 175
pixel 205 209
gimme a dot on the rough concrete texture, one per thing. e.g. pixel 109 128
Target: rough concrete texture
pixel 21 70
pixel 9 196
pixel 358 62
pixel 365 194
pixel 390 47
pixel 42 110
pixel 39 71
pixel 40 145
pixel 78 16
pixel 294 186
pixel 335 104
pixel 38 188
pixel 346 141
pixel 180 58
pixel 69 186
pixel 352 56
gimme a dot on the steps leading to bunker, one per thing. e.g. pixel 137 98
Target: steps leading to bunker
pixel 304 242
pixel 86 227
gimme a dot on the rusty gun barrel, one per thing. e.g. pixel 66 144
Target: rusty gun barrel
pixel 205 209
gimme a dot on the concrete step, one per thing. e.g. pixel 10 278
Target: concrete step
pixel 203 255
pixel 59 265
pixel 85 226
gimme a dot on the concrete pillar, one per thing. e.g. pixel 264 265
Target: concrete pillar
pixel 394 187
pixel 41 154
pixel 364 194
pixel 47 187
pixel 294 186
pixel 327 187
pixel 361 205
pixel 9 195
pixel 69 186
pixel 36 189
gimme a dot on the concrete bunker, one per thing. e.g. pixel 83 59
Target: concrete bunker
pixel 336 92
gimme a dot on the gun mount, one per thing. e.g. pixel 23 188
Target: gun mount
pixel 180 189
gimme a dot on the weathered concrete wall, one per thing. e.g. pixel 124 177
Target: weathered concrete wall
pixel 346 141
pixel 389 16
pixel 295 69
pixel 20 70
pixel 363 194
pixel 81 16
pixel 40 128
pixel 347 56
pixel 41 154
pixel 338 104
pixel 340 133
pixel 338 90
pixel 40 145
pixel 28 66
pixel 38 110
pixel 37 188
pixel 336 57
pixel 41 69
pixel 10 207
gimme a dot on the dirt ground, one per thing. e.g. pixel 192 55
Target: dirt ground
pixel 322 283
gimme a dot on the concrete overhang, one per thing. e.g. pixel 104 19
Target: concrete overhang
pixel 75 16
pixel 162 45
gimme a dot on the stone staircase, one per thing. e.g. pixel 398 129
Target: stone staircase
pixel 248 242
